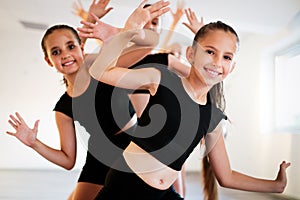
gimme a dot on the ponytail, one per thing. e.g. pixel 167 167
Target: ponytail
pixel 210 188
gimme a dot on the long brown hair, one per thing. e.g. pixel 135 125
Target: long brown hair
pixel 210 189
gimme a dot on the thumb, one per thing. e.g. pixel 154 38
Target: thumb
pixel 36 124
pixel 187 25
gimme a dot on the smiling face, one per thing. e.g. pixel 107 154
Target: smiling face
pixel 213 56
pixel 63 51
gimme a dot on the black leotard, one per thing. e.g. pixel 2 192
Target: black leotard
pixel 93 110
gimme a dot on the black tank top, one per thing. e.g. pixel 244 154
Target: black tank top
pixel 172 124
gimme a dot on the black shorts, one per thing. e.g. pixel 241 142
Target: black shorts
pixel 93 171
pixel 121 185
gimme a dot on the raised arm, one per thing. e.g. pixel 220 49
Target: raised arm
pixel 194 24
pixel 106 69
pixel 176 18
pixel 229 178
pixel 65 156
pixel 98 9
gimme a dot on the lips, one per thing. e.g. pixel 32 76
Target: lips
pixel 212 73
pixel 66 64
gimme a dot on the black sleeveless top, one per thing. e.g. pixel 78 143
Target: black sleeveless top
pixel 172 124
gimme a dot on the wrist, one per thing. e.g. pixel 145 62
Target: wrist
pixel 90 18
pixel 279 186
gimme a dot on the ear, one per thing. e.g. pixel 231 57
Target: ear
pixel 48 61
pixel 232 67
pixel 190 54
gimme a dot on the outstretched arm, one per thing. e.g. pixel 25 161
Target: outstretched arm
pixel 65 157
pixel 106 69
pixel 229 178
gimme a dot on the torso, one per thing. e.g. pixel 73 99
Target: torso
pixel 171 126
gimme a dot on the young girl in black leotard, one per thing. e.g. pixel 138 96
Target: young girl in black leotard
pixel 86 102
pixel 178 113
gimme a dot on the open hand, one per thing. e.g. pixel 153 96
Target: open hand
pixel 194 24
pixel 25 134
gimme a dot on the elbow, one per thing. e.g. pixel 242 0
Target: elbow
pixel 224 182
pixel 69 166
pixel 92 72
pixel 69 163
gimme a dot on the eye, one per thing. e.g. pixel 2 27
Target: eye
pixel 227 58
pixel 210 52
pixel 71 46
pixel 55 52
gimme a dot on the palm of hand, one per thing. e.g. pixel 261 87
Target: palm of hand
pixel 99 9
pixel 138 19
pixel 25 134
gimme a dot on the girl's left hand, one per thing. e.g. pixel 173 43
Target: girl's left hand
pixel 194 24
pixel 98 30
pixel 281 178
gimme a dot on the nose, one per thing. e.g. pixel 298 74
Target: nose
pixel 217 61
pixel 65 56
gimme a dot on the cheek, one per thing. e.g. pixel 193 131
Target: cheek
pixel 226 69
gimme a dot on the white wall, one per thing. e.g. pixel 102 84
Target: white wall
pixel 34 90
pixel 31 90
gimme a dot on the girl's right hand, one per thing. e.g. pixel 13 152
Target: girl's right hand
pixel 141 16
pixel 25 134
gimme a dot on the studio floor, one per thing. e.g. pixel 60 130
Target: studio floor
pixel 57 185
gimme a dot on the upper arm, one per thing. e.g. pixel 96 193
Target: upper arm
pixel 89 59
pixel 177 66
pixel 144 78
pixel 67 134
pixel 217 154
pixel 132 55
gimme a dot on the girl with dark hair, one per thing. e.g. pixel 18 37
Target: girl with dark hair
pixel 178 113
pixel 86 102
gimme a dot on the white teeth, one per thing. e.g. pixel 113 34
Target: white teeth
pixel 213 73
pixel 68 63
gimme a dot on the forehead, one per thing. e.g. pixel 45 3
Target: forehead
pixel 59 37
pixel 221 40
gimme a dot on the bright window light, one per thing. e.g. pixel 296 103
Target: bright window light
pixel 287 91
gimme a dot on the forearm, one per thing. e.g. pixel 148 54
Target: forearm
pixel 169 35
pixel 243 182
pixel 55 156
pixel 229 178
pixel 150 39
pixel 110 54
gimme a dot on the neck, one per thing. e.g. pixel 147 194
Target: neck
pixel 196 89
pixel 77 83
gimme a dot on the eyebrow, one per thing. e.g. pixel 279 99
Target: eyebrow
pixel 67 43
pixel 229 53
